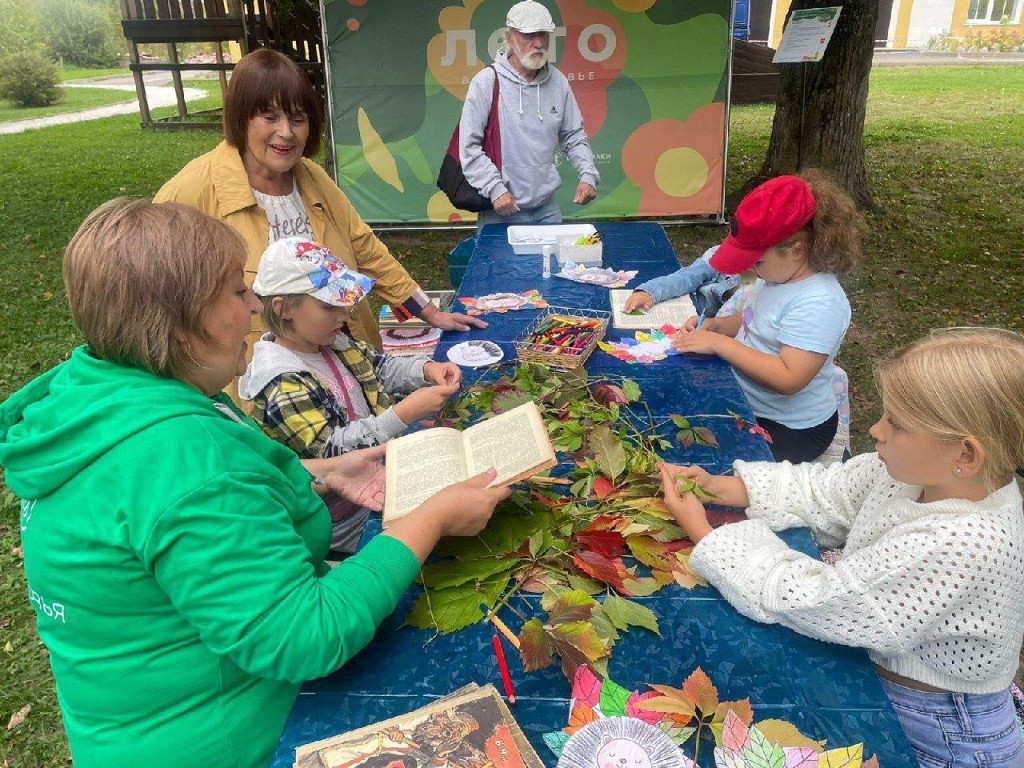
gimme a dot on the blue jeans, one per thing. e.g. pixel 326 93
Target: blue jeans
pixel 958 730
pixel 548 213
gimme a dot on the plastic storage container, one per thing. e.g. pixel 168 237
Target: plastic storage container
pixel 533 238
pixel 568 251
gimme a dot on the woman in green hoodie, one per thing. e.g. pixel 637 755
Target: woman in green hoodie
pixel 174 554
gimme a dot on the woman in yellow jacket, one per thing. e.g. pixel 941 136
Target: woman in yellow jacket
pixel 260 182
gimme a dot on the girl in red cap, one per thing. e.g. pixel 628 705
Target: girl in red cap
pixel 796 233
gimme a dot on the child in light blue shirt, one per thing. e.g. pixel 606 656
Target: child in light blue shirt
pixel 796 233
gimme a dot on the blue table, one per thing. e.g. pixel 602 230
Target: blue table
pixel 828 691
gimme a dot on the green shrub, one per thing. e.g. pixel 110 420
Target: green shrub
pixel 81 32
pixel 30 79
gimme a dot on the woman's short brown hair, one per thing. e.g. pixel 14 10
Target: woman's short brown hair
pixel 140 278
pixel 263 80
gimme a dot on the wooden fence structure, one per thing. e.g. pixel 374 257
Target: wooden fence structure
pixel 250 23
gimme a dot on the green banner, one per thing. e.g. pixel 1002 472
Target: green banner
pixel 651 78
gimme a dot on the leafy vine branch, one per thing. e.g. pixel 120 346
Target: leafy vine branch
pixel 609 535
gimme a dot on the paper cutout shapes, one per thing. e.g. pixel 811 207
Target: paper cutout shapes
pixel 475 354
pixel 645 347
pixel 503 302
pixel 606 277
pixel 680 714
pixel 409 341
pixel 621 742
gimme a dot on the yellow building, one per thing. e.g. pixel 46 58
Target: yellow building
pixel 913 23
pixel 916 22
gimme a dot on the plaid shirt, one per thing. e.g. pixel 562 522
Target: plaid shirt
pixel 299 410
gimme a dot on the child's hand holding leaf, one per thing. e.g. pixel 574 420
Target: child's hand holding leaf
pixel 687 509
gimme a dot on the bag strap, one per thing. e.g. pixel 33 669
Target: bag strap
pixel 349 407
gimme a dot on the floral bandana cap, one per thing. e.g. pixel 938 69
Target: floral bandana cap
pixel 296 266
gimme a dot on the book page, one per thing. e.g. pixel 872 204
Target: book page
pixel 515 443
pixel 674 312
pixel 418 466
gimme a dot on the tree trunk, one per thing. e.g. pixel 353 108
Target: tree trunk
pixel 819 119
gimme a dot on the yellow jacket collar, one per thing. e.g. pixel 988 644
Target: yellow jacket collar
pixel 232 182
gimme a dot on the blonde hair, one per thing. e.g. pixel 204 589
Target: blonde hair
pixel 140 278
pixel 833 237
pixel 274 320
pixel 963 382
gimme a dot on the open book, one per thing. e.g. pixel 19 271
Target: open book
pixel 515 443
pixel 467 728
pixel 674 312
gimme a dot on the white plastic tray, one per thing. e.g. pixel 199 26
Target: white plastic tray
pixel 532 238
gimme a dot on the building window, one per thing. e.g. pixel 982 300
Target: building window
pixel 994 11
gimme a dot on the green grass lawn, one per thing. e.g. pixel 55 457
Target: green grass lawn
pixel 945 152
pixel 72 100
pixel 77 73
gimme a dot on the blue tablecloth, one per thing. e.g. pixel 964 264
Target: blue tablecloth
pixel 828 691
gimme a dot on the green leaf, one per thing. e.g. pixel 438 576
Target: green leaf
pixel 609 454
pixel 577 642
pixel 535 646
pixel 584 584
pixel 763 753
pixel 705 437
pixel 679 421
pixel 679 734
pixel 539 543
pixel 613 699
pixel 452 573
pixel 642 587
pixel 604 628
pixel 570 606
pixel 686 485
pixel 556 741
pixel 631 389
pixel 448 610
pixel 625 614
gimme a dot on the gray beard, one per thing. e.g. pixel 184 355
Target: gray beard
pixel 529 61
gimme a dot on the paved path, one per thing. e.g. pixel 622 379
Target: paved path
pixel 909 58
pixel 157 92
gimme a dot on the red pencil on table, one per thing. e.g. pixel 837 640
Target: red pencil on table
pixel 506 678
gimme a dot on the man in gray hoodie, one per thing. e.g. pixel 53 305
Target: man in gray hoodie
pixel 537 112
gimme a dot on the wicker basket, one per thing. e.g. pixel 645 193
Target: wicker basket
pixel 530 350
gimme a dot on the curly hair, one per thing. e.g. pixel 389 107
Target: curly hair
pixel 833 236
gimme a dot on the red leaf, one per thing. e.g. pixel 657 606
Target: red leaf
pixel 608 571
pixel 607 543
pixel 586 686
pixel 633 711
pixel 606 394
pixel 536 647
pixel 603 487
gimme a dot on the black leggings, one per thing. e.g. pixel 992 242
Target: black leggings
pixel 797 445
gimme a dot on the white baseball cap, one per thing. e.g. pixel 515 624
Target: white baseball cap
pixel 529 16
pixel 294 266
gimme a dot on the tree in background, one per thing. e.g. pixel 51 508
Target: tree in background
pixel 83 32
pixel 819 118
pixel 19 30
pixel 30 78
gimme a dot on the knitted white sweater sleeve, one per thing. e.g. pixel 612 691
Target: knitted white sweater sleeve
pixel 826 499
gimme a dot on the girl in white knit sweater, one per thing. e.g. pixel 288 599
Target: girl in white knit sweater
pixel 931 580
